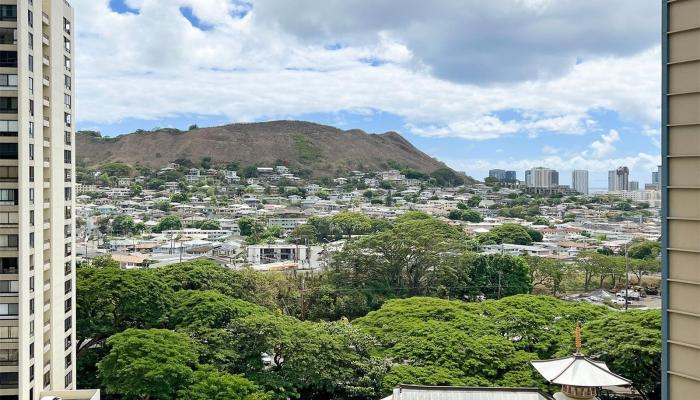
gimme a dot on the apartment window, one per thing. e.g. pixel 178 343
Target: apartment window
pixel 9 241
pixel 67 176
pixel 66 44
pixel 68 305
pixel 9 218
pixel 8 12
pixel 69 379
pixel 8 265
pixel 31 350
pixel 66 25
pixel 31 328
pixel 8 151
pixel 9 309
pixel 31 151
pixel 9 105
pixel 31 240
pixel 31 63
pixel 67 101
pixel 67 118
pixel 31 129
pixel 31 283
pixel 67 193
pixel 8 174
pixel 31 174
pixel 31 390
pixel 66 62
pixel 9 333
pixel 67 324
pixel 67 342
pixel 8 197
pixel 8 380
pixel 68 251
pixel 8 59
pixel 8 80
pixel 9 287
pixel 47 379
pixel 67 231
pixel 67 268
pixel 68 285
pixel 8 128
pixel 68 137
pixel 67 157
pixel 8 36
pixel 69 360
pixel 30 18
pixel 31 40
pixel 31 217
pixel 31 107
pixel 31 85
pixel 31 307
pixel 8 357
pixel 31 195
pixel 66 80
pixel 31 375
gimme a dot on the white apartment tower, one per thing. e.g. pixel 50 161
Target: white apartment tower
pixel 37 265
pixel 540 177
pixel 579 181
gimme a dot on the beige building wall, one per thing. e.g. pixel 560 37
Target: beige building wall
pixel 37 267
pixel 681 182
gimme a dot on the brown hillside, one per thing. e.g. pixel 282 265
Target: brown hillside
pixel 323 149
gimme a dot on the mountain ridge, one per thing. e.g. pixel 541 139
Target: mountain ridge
pixel 322 149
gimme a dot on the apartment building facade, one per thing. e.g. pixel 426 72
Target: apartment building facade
pixel 579 180
pixel 680 183
pixel 618 179
pixel 37 265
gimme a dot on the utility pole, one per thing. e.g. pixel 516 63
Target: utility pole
pixel 627 279
pixel 303 305
pixel 499 285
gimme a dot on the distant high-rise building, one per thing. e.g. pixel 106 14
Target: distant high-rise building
pixel 656 178
pixel 540 177
pixel 633 186
pixel 498 174
pixel 579 181
pixel 618 179
pixel 502 175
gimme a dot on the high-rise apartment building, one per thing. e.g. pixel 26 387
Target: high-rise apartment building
pixel 618 179
pixel 540 177
pixel 37 265
pixel 680 217
pixel 656 178
pixel 502 175
pixel 579 180
pixel 633 186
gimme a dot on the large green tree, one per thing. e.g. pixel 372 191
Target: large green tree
pixel 110 300
pixel 152 364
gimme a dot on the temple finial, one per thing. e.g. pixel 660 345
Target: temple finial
pixel 578 338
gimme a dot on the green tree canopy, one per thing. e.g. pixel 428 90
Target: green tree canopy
pixel 110 300
pixel 148 364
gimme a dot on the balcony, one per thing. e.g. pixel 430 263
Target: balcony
pixel 45 18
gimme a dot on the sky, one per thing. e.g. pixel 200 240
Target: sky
pixel 512 84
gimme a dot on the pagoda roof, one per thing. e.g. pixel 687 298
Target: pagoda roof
pixel 578 370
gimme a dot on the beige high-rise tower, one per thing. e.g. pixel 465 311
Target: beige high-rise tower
pixel 680 180
pixel 37 265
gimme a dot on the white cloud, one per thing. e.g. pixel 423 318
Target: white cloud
pixel 155 64
pixel 605 146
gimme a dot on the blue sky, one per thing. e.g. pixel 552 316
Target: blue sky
pixel 564 84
